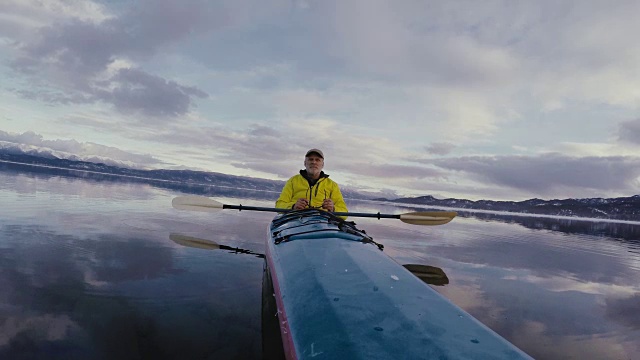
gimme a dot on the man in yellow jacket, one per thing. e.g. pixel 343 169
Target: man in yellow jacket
pixel 312 188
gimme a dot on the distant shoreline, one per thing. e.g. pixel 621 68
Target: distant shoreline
pixel 509 213
pixel 616 210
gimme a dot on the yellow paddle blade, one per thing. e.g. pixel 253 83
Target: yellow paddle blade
pixel 428 217
pixel 196 203
pixel 193 242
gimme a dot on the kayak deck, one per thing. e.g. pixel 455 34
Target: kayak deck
pixel 341 297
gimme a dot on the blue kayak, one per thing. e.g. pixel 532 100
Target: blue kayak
pixel 339 296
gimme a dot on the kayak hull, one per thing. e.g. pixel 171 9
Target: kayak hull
pixel 339 296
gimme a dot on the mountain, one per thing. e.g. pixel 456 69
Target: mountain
pixel 209 183
pixel 623 208
pixel 197 182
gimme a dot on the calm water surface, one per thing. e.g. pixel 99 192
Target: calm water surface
pixel 87 270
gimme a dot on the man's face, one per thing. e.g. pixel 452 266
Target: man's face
pixel 314 164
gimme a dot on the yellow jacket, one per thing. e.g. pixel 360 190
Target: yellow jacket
pixel 298 187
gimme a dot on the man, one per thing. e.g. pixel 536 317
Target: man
pixel 312 188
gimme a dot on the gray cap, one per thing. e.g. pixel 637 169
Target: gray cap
pixel 316 151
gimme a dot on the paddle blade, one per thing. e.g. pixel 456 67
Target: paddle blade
pixel 196 203
pixel 428 217
pixel 429 274
pixel 193 242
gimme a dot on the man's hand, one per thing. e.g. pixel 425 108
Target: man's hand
pixel 327 204
pixel 301 204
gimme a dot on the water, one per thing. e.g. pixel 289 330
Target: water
pixel 87 270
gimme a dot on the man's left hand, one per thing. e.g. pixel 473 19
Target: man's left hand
pixel 327 204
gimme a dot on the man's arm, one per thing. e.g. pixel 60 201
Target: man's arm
pixel 338 202
pixel 286 200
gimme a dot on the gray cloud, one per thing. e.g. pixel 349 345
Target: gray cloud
pixel 274 151
pixel 79 48
pixel 551 174
pixel 629 131
pixel 359 39
pixel 73 58
pixel 442 148
pixel 138 32
pixel 268 168
pixel 271 150
pixel 387 171
pixel 431 44
pixel 261 130
pixel 393 171
pixel 54 97
pixel 625 311
pixel 259 147
pixel 137 90
pixel 258 143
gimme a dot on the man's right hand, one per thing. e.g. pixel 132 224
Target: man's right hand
pixel 301 204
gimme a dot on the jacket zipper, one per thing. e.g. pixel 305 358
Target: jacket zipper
pixel 317 186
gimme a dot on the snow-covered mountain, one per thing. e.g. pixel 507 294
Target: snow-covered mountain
pixel 201 182
pixel 622 208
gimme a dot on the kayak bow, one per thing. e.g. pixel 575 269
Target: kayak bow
pixel 339 296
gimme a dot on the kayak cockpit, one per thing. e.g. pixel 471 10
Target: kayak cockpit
pixel 316 224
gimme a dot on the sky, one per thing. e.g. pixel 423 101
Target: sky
pixel 502 100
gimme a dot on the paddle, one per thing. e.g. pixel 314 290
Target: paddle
pixel 201 203
pixel 429 274
pixel 194 242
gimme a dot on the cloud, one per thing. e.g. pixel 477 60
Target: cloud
pixel 21 18
pixel 375 161
pixel 74 150
pixel 369 82
pixel 54 96
pixel 257 147
pixel 35 12
pixel 393 171
pixel 489 56
pixel 591 57
pixel 392 43
pixel 440 148
pixel 73 59
pixel 277 150
pixel 629 131
pixel 263 131
pixel 467 61
pixel 551 174
pixel 134 89
pixel 625 311
pixel 53 328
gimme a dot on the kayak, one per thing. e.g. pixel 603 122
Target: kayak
pixel 339 296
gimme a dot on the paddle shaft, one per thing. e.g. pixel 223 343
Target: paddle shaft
pixel 256 208
pixel 200 203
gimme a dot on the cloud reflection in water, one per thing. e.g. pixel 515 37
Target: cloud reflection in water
pixel 85 274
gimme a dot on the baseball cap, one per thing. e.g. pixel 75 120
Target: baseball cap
pixel 317 151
